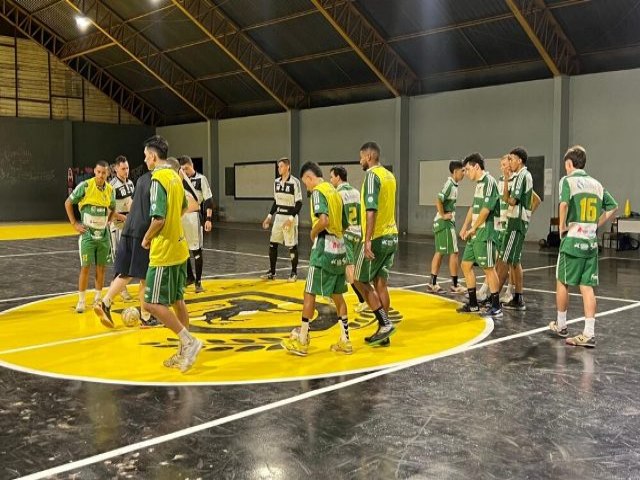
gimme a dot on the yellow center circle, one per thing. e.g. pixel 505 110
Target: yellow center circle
pixel 241 323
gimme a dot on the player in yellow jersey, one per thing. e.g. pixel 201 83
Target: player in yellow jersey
pixel 97 204
pixel 380 239
pixel 327 262
pixel 167 273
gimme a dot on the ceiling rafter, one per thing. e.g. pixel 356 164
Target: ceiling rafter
pixel 34 29
pixel 240 48
pixel 369 45
pixel 547 35
pixel 159 65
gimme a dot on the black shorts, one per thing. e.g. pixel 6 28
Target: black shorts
pixel 131 259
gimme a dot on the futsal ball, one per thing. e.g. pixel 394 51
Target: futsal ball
pixel 130 317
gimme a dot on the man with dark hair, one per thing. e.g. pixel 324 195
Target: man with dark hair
pixel 327 261
pixel 168 254
pixel 196 185
pixel 286 207
pixel 351 224
pixel 131 259
pixel 123 188
pixel 97 204
pixel 478 230
pixel 380 240
pixel 584 206
pixel 444 230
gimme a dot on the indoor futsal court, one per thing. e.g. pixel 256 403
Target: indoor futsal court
pixel 139 137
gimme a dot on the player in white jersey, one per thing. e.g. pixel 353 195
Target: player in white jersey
pixel 287 202
pixel 123 189
pixel 193 224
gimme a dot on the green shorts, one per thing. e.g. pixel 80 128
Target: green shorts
pixel 351 247
pixel 446 241
pixel 94 252
pixel 321 282
pixel 481 252
pixel 577 270
pixel 511 247
pixel 384 249
pixel 165 285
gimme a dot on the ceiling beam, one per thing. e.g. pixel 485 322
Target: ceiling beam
pixel 241 49
pixel 147 55
pixel 34 29
pixel 91 43
pixel 547 35
pixel 369 45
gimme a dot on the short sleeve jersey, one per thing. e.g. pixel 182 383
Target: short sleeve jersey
pixel 328 250
pixel 379 194
pixel 138 220
pixel 586 199
pixel 448 196
pixel 286 193
pixel 350 211
pixel 501 221
pixel 123 193
pixel 201 186
pixel 486 196
pixel 519 215
pixel 94 204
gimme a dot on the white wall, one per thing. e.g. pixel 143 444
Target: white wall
pixel 490 120
pixel 190 139
pixel 605 112
pixel 250 139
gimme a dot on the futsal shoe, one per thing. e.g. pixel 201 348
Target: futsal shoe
pixel 295 346
pixel 151 322
pixel 292 278
pixel 507 296
pixel 126 296
pixel 513 305
pixel 361 307
pixel 268 276
pixel 582 341
pixel 104 314
pixel 434 288
pixel 560 332
pixel 458 290
pixel 382 334
pixel 189 354
pixel 199 288
pixel 173 361
pixel 384 343
pixel 466 308
pixel 495 312
pixel 80 307
pixel 342 346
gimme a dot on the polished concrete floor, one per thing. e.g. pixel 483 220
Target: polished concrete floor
pixel 520 404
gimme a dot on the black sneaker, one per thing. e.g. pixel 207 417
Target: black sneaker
pixel 151 323
pixel 466 308
pixel 384 343
pixel 513 305
pixel 199 288
pixel 104 314
pixel 268 276
pixel 382 334
pixel 493 312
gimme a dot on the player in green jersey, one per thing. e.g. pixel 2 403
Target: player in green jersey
pixel 584 206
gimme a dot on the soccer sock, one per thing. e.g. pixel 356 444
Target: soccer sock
pixel 454 279
pixel 383 319
pixel 81 295
pixel 293 254
pixel 97 296
pixel 589 327
pixel 517 297
pixel 434 279
pixel 185 337
pixel 358 294
pixel 189 269
pixel 199 261
pixel 473 299
pixel 562 320
pixel 344 329
pixel 273 257
pixel 495 300
pixel 304 331
pixel 107 301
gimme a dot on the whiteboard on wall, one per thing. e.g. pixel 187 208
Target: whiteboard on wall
pixel 254 180
pixel 434 173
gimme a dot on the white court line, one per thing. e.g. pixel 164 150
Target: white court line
pixel 69 340
pixel 287 401
pixel 38 253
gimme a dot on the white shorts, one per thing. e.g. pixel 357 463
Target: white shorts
pixel 192 230
pixel 288 237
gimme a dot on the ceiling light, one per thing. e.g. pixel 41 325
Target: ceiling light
pixel 82 22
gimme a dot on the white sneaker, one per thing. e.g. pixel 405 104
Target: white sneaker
pixel 80 306
pixel 189 354
pixel 126 296
pixel 506 297
pixel 458 290
pixel 361 307
pixel 434 288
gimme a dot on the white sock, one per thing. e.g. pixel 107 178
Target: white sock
pixel 106 300
pixel 589 327
pixel 97 296
pixel 562 320
pixel 185 336
pixel 81 296
pixel 344 328
pixel 304 333
pixel 145 315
